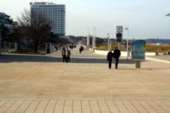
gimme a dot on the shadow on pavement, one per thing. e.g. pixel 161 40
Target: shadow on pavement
pixel 40 58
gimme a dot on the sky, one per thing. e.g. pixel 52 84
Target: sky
pixel 144 18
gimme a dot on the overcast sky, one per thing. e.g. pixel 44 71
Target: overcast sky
pixel 145 18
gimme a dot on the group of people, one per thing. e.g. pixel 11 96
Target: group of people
pixel 113 54
pixel 66 53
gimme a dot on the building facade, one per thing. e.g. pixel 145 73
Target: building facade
pixel 54 13
pixel 7 26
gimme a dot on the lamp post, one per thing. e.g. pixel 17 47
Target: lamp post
pixel 127 42
pixel 88 41
pixel 94 40
pixel 108 41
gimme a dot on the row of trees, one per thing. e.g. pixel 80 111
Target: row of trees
pixel 34 30
pixel 5 27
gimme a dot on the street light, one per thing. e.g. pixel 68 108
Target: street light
pixel 127 43
pixel 108 41
pixel 94 40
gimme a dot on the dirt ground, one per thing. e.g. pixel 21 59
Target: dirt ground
pixel 83 80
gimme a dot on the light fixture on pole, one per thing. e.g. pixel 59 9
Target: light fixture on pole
pixel 108 41
pixel 127 43
pixel 94 40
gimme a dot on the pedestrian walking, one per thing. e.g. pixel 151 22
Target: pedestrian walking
pixel 81 49
pixel 116 55
pixel 68 55
pixel 63 54
pixel 109 58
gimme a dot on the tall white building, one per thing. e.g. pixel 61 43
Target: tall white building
pixel 54 13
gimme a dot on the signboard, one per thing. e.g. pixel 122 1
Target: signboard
pixel 119 33
pixel 119 37
pixel 119 29
pixel 138 50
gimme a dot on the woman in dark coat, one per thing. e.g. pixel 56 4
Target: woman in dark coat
pixel 64 54
pixel 109 59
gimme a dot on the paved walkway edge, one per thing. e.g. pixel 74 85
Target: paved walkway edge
pixel 157 60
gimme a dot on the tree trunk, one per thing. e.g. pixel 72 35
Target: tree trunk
pixel 36 45
pixel 36 49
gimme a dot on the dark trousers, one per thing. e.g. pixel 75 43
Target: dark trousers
pixel 110 64
pixel 68 59
pixel 116 63
pixel 64 58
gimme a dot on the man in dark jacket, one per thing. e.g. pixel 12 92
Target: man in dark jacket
pixel 109 58
pixel 116 55
pixel 68 55
pixel 63 52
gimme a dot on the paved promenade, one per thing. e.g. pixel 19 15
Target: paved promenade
pixel 90 105
pixel 36 84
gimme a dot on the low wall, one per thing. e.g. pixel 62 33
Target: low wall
pixel 123 53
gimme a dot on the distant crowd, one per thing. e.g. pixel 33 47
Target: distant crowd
pixel 112 54
pixel 66 54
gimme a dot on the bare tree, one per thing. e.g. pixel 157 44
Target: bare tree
pixel 36 27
